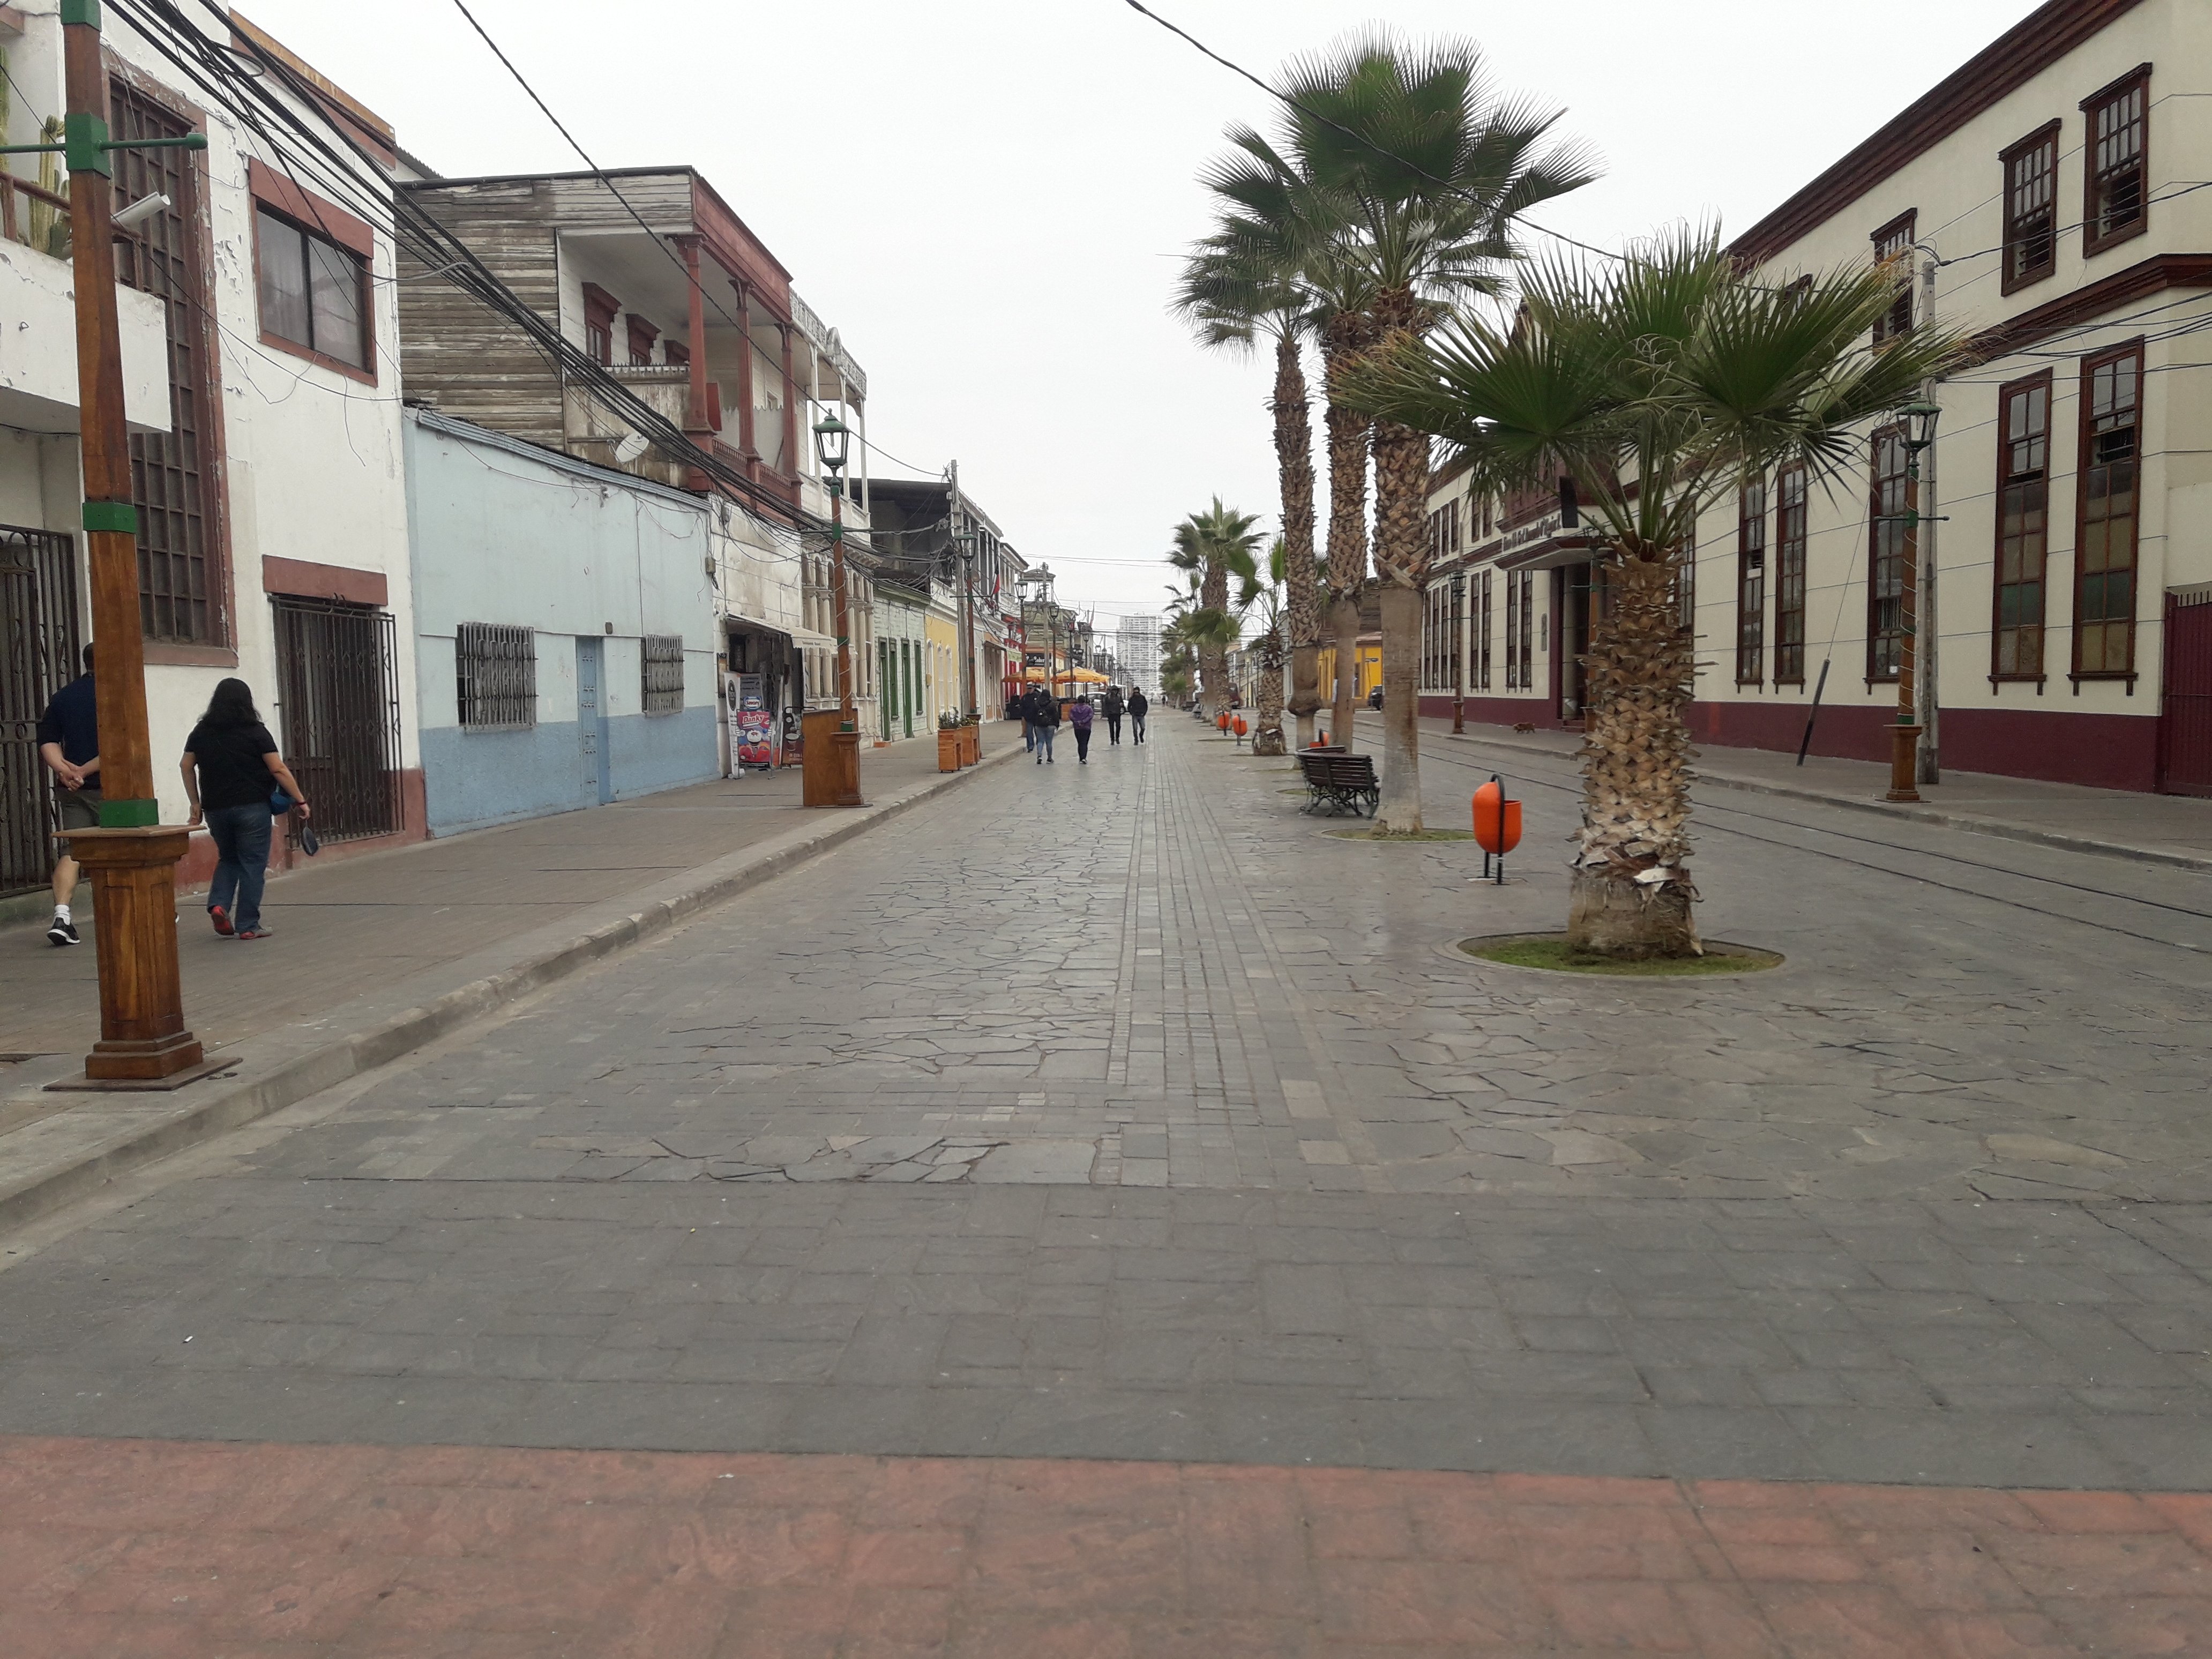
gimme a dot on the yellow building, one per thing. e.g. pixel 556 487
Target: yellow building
pixel 1367 665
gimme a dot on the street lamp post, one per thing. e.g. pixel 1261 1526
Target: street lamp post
pixel 1459 655
pixel 831 437
pixel 1904 735
pixel 131 857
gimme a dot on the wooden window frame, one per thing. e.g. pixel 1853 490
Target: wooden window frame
pixel 2045 383
pixel 1903 231
pixel 1751 582
pixel 1482 636
pixel 1877 522
pixel 1790 559
pixel 2043 142
pixel 641 334
pixel 600 310
pixel 2132 350
pixel 324 221
pixel 2093 240
pixel 494 652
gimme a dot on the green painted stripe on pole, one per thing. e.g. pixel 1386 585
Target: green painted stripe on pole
pixel 119 517
pixel 86 12
pixel 84 142
pixel 130 814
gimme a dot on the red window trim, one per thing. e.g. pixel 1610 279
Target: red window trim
pixel 642 334
pixel 2005 395
pixel 310 211
pixel 2089 367
pixel 1751 629
pixel 600 309
pixel 1909 548
pixel 293 347
pixel 2092 243
pixel 1776 551
pixel 2045 137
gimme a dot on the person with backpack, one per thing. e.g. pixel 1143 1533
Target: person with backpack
pixel 1139 706
pixel 1112 708
pixel 231 770
pixel 1047 719
pixel 1080 716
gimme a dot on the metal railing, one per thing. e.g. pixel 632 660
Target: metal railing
pixel 33 215
pixel 337 691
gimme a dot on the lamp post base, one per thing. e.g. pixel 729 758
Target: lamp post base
pixel 143 1039
pixel 1903 763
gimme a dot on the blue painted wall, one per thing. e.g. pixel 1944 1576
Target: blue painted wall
pixel 501 532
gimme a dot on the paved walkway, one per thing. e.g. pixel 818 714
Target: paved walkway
pixel 361 925
pixel 1119 1117
pixel 2172 829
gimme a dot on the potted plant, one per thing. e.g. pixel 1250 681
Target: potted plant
pixel 948 743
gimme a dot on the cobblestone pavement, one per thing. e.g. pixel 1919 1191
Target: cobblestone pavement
pixel 1122 1113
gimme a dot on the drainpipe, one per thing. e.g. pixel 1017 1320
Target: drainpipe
pixel 1930 766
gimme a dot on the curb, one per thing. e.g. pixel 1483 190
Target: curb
pixel 226 1103
pixel 2003 827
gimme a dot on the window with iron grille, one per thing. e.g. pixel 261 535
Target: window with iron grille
pixel 2117 141
pixel 496 675
pixel 1890 553
pixel 1895 242
pixel 2031 194
pixel 2104 567
pixel 1482 636
pixel 1685 584
pixel 663 673
pixel 181 586
pixel 1789 576
pixel 2023 527
pixel 1520 630
pixel 1751 583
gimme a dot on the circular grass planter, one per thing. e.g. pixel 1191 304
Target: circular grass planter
pixel 1550 953
pixel 1427 837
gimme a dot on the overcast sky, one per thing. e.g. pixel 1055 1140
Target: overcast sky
pixel 988 197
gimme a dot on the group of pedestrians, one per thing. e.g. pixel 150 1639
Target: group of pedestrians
pixel 1039 715
pixel 235 782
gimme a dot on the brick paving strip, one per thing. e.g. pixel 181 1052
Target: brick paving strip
pixel 378 957
pixel 151 1547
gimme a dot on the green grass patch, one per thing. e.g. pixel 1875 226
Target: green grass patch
pixel 1551 951
pixel 1409 841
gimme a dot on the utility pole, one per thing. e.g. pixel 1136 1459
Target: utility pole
pixel 132 856
pixel 1930 768
pixel 964 555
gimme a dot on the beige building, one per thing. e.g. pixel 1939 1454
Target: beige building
pixel 2053 190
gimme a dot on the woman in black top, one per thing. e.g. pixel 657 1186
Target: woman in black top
pixel 231 769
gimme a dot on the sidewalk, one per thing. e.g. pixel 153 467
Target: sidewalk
pixel 2172 830
pixel 374 956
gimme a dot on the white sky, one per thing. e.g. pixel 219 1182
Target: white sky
pixel 988 197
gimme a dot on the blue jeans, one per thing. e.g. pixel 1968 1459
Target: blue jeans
pixel 1044 739
pixel 1028 736
pixel 241 845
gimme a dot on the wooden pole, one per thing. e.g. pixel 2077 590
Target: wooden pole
pixel 847 739
pixel 130 857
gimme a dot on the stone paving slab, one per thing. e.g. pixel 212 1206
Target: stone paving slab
pixel 262 1551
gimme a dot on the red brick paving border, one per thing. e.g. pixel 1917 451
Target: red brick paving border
pixel 119 1548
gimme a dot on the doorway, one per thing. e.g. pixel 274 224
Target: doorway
pixel 336 691
pixel 592 720
pixel 39 649
pixel 2185 720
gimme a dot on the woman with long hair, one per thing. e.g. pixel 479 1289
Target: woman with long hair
pixel 232 769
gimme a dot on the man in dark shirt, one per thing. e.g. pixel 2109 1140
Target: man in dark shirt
pixel 69 743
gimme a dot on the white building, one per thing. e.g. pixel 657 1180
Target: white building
pixel 272 519
pixel 2055 183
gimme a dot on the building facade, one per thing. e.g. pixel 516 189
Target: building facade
pixel 2050 185
pixel 259 325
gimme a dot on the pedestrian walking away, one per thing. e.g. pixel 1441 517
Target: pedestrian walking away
pixel 69 743
pixel 1079 717
pixel 1138 705
pixel 232 769
pixel 1112 708
pixel 1018 709
pixel 1048 714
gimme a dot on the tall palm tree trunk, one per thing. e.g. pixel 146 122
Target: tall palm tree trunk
pixel 1213 659
pixel 1347 521
pixel 1294 462
pixel 1631 895
pixel 1267 735
pixel 1401 564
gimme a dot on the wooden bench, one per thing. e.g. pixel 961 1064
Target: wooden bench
pixel 1340 782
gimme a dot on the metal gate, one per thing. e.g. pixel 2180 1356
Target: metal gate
pixel 38 651
pixel 2185 724
pixel 337 678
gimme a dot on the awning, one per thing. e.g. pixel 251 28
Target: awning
pixel 808 638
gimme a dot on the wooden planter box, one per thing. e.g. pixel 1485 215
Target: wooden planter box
pixel 971 740
pixel 948 750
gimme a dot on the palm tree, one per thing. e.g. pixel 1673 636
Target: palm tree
pixel 1234 290
pixel 1262 603
pixel 1659 388
pixel 1425 168
pixel 1277 221
pixel 1213 546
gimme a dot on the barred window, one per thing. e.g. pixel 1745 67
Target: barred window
pixel 496 675
pixel 1751 582
pixel 2118 169
pixel 2031 234
pixel 663 673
